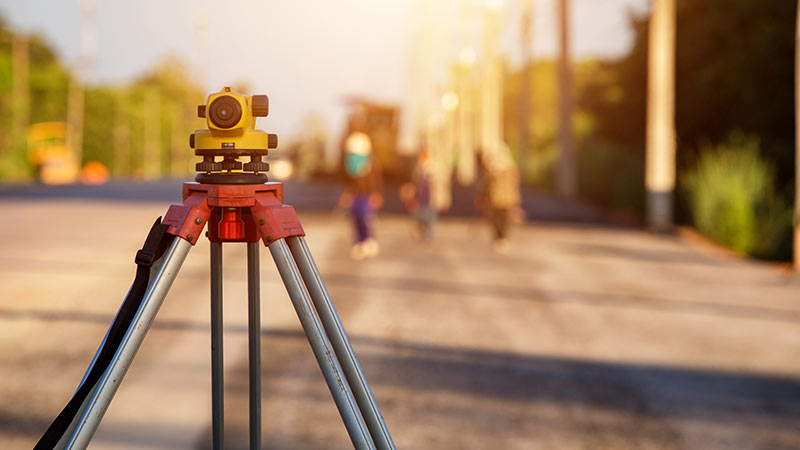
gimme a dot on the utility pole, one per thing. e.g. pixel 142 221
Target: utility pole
pixel 419 74
pixel 201 32
pixel 491 82
pixel 797 144
pixel 151 165
pixel 76 93
pixel 463 73
pixel 660 156
pixel 177 141
pixel 75 106
pixel 525 87
pixel 567 182
pixel 20 94
pixel 122 134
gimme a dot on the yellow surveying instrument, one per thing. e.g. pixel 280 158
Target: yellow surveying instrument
pixel 239 205
pixel 231 133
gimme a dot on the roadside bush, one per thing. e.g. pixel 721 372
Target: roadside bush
pixel 733 200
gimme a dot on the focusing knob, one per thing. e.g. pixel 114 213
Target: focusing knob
pixel 260 105
pixel 272 141
pixel 201 111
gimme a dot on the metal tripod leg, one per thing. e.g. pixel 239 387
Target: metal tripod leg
pixel 217 369
pixel 107 386
pixel 331 370
pixel 254 342
pixel 338 337
pixel 254 346
pixel 62 443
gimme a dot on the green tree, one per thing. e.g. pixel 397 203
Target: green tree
pixel 47 84
pixel 163 101
pixel 734 71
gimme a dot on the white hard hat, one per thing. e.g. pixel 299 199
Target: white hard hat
pixel 358 143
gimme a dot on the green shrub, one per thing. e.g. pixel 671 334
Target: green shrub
pixel 733 200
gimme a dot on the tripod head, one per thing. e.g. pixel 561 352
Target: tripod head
pixel 231 133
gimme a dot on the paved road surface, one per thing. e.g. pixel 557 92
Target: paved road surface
pixel 580 337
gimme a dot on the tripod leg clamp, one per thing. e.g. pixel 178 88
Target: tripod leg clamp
pixel 188 219
pixel 274 219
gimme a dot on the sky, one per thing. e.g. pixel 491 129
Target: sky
pixel 307 55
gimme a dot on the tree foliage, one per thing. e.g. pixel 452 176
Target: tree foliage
pixel 115 117
pixel 734 76
pixel 734 72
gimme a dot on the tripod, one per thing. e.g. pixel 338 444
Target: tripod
pixel 235 213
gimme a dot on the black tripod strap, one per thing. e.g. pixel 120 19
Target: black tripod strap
pixel 154 246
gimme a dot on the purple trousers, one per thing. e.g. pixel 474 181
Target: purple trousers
pixel 361 212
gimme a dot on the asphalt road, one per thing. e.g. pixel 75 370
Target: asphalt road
pixel 583 336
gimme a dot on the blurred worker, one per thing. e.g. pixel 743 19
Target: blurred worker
pixel 417 197
pixel 362 194
pixel 498 194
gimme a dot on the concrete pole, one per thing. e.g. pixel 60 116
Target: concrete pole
pixel 177 142
pixel 465 171
pixel 525 87
pixel 75 109
pixel 424 101
pixel 437 134
pixel 450 103
pixel 20 93
pixel 660 156
pixel 122 134
pixel 491 82
pixel 202 63
pixel 151 112
pixel 76 93
pixel 567 182
pixel 797 144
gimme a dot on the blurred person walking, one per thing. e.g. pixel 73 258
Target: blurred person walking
pixel 362 193
pixel 417 197
pixel 498 195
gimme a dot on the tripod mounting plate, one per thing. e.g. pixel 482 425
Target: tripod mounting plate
pixel 258 210
pixel 231 178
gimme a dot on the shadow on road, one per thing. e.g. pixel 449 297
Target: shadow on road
pixel 646 255
pixel 419 386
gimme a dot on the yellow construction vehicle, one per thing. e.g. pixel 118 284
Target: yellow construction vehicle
pixel 54 161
